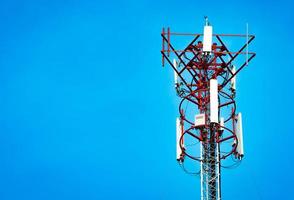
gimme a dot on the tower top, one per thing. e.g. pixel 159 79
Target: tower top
pixel 206 21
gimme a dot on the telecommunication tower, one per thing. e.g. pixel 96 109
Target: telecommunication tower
pixel 209 130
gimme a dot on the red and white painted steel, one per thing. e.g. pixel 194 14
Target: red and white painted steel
pixel 202 73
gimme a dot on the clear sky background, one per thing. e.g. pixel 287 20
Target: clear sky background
pixel 87 111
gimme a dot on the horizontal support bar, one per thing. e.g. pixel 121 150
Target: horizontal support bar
pixel 222 52
pixel 200 34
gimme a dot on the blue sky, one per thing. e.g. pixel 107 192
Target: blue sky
pixel 87 111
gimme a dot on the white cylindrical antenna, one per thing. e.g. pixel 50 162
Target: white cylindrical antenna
pixel 247 45
pixel 233 80
pixel 207 38
pixel 175 73
pixel 178 137
pixel 239 134
pixel 213 92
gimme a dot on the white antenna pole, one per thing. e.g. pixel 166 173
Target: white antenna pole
pixel 207 38
pixel 175 73
pixel 178 137
pixel 247 46
pixel 240 147
pixel 233 80
pixel 213 92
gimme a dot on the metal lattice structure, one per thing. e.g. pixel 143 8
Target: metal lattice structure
pixel 205 78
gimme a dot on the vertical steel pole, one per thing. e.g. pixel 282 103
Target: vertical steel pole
pixel 201 171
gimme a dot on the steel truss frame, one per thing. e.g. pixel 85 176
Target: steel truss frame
pixel 195 69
